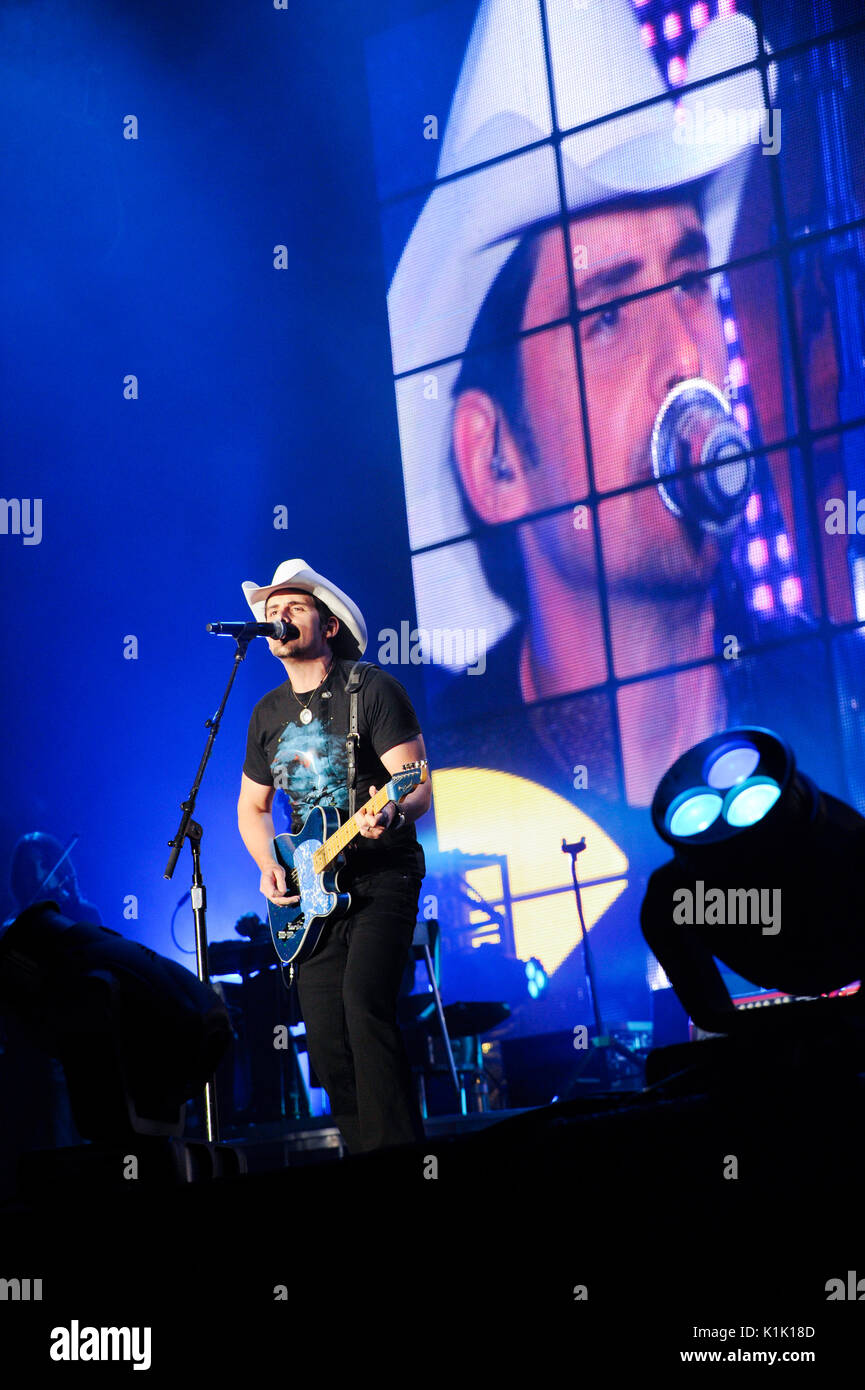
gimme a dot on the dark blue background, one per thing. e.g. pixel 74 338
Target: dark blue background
pixel 257 388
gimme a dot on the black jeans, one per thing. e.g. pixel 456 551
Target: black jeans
pixel 348 991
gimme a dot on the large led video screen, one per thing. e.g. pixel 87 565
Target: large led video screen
pixel 623 249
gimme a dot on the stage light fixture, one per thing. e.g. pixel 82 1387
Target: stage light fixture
pixel 536 979
pixel 768 876
pixel 727 784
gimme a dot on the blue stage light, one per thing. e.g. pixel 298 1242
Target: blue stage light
pixel 536 980
pixel 731 764
pixel 748 804
pixel 782 865
pixel 725 786
pixel 693 812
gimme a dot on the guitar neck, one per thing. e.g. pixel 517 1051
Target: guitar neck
pixel 346 833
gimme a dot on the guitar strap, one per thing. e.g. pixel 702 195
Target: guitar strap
pixel 355 681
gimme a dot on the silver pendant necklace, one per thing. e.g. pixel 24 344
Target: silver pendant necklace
pixel 305 715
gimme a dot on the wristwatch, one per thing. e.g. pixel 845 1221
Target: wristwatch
pixel 399 819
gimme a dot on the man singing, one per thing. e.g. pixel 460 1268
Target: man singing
pixel 297 746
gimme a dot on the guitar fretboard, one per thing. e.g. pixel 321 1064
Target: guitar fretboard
pixel 346 833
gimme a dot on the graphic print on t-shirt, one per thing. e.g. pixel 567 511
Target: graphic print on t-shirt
pixel 309 766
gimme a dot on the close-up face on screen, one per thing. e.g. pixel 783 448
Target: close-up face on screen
pixel 618 340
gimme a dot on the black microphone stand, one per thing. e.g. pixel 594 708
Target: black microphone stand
pixel 602 1044
pixel 190 830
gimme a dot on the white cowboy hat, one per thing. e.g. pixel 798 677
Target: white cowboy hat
pixel 470 225
pixel 296 574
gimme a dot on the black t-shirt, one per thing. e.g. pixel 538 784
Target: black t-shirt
pixel 308 763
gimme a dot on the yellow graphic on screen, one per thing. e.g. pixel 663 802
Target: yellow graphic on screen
pixel 479 811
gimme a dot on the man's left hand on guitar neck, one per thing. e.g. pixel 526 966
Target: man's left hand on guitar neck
pixel 412 806
pixel 373 827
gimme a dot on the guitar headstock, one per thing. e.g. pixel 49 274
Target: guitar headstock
pixel 401 783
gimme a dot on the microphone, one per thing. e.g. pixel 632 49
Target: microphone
pixel 695 426
pixel 576 848
pixel 280 631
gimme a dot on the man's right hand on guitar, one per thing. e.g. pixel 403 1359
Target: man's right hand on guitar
pixel 273 885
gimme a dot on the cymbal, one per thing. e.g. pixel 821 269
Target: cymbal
pixel 463 1020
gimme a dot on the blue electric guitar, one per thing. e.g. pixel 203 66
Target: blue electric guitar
pixel 312 860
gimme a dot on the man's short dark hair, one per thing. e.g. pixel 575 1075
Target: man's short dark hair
pixel 323 611
pixel 493 361
pixel 493 364
pixel 344 644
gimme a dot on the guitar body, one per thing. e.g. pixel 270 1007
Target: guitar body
pixel 296 929
pixel 312 861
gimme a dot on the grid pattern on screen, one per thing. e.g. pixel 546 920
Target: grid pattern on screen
pixel 782 561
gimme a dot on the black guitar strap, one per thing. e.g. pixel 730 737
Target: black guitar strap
pixel 355 681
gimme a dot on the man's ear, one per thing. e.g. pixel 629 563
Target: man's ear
pixel 496 494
